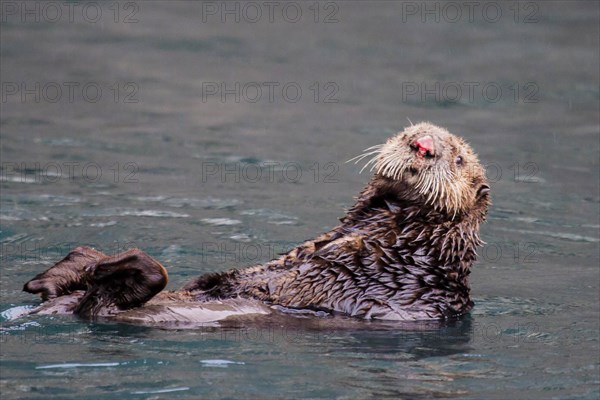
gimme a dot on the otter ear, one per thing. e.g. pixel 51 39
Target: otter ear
pixel 484 190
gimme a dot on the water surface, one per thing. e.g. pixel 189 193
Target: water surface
pixel 205 182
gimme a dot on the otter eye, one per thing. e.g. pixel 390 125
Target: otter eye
pixel 458 160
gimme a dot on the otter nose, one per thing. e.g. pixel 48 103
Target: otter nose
pixel 424 145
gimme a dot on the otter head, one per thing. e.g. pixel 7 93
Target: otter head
pixel 429 165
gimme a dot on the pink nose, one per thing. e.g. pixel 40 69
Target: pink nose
pixel 425 145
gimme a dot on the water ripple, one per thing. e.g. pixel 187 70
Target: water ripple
pixel 272 217
pixel 220 363
pixel 135 213
pixel 166 390
pixel 494 306
pixel 78 365
pixel 221 221
pixel 559 235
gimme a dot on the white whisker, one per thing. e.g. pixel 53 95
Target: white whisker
pixel 372 160
pixel 360 157
pixel 396 170
pixel 377 146
pixel 367 152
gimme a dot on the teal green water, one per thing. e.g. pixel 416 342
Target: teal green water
pixel 173 158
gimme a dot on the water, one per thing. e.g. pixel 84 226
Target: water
pixel 159 162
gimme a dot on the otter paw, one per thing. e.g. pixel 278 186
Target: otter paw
pixel 65 276
pixel 120 282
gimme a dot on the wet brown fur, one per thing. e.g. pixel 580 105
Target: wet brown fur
pixel 403 251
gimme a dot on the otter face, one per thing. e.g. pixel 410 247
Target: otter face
pixel 429 163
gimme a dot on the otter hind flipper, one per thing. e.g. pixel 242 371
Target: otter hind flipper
pixel 121 282
pixel 65 276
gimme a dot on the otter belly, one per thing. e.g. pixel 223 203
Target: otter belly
pixel 164 309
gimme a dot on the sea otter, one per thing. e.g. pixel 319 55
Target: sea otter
pixel 402 252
